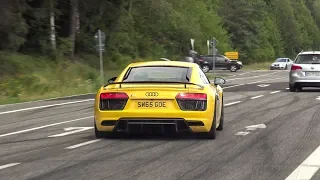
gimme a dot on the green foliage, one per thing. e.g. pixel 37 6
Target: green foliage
pixel 261 30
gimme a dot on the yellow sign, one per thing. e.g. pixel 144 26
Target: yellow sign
pixel 232 55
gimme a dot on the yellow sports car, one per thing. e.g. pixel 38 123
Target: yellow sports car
pixel 160 96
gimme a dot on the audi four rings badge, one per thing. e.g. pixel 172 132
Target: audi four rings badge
pixel 152 94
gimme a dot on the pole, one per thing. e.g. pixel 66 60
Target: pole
pixel 101 59
pixel 214 56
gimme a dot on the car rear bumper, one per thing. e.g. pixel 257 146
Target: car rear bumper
pixel 300 77
pixel 141 121
pixel 305 83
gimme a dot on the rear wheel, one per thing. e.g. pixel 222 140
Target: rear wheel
pixel 220 127
pixel 102 134
pixel 212 132
pixel 292 88
pixel 99 134
pixel 233 68
pixel 295 87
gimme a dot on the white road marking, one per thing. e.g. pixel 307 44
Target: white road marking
pixel 76 129
pixel 287 88
pixel 264 80
pixel 254 127
pixel 318 98
pixel 233 86
pixel 263 85
pixel 82 144
pixel 274 92
pixel 42 100
pixel 250 83
pixel 242 133
pixel 46 106
pixel 41 127
pixel 307 168
pixel 252 76
pixel 232 103
pixel 9 165
pixel 255 97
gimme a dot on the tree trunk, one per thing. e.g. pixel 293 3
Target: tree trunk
pixel 52 25
pixel 130 6
pixel 73 26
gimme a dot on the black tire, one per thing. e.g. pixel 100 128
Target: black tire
pixel 220 127
pixel 99 134
pixel 299 88
pixel 295 88
pixel 213 130
pixel 102 134
pixel 292 88
pixel 233 68
pixel 206 67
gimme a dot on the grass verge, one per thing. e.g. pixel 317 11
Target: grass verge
pixel 29 78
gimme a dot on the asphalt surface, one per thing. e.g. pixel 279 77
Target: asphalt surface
pixel 287 133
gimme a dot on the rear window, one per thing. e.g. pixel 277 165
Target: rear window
pixel 158 73
pixel 308 59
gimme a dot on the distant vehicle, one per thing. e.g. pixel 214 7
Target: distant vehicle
pixel 305 71
pixel 160 96
pixel 281 63
pixel 222 62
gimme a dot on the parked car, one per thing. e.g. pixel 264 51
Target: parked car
pixel 281 63
pixel 222 62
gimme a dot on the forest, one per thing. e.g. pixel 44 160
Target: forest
pixel 62 31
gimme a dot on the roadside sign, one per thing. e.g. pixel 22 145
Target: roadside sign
pixel 232 55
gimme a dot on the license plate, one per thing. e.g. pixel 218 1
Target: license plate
pixel 152 104
pixel 316 73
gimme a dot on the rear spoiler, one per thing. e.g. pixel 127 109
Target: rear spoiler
pixel 155 82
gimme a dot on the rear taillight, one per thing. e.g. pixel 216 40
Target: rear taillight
pixel 113 101
pixel 192 101
pixel 295 67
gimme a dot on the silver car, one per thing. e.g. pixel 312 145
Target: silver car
pixel 281 63
pixel 305 71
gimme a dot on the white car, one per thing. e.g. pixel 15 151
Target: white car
pixel 305 72
pixel 281 63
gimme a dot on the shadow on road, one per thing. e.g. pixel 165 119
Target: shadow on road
pixel 156 137
pixel 309 90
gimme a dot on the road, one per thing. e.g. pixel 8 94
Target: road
pixel 54 139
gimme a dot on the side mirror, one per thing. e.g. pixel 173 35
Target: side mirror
pixel 111 80
pixel 218 81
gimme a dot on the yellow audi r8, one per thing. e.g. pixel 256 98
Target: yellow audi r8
pixel 160 96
